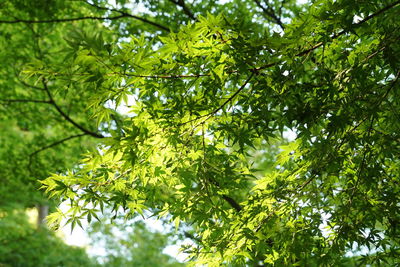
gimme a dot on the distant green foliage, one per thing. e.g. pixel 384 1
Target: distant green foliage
pixel 130 244
pixel 22 245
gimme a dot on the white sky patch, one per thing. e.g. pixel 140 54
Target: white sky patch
pixel 357 19
pixel 123 108
pixel 301 2
pixel 174 250
pixel 78 236
pixel 290 135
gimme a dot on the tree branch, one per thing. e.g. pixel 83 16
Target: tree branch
pixel 269 12
pixel 255 69
pixel 336 35
pixel 165 76
pixel 29 85
pixel 56 143
pixel 232 96
pixel 125 14
pixel 208 115
pixel 29 21
pixel 232 203
pixel 25 101
pixel 375 106
pixel 187 11
pixel 191 236
pixel 50 146
pixel 66 117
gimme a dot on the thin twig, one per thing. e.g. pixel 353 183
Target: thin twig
pixel 56 143
pixel 167 76
pixel 269 12
pixel 232 96
pixel 208 115
pixel 50 146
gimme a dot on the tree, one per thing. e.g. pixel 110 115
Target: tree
pixel 206 83
pixel 130 243
pixel 21 244
pixel 41 133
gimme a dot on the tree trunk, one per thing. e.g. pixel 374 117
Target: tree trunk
pixel 43 211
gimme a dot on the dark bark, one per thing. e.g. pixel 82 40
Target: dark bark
pixel 43 211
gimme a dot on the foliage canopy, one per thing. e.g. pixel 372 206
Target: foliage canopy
pixel 22 245
pixel 208 85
